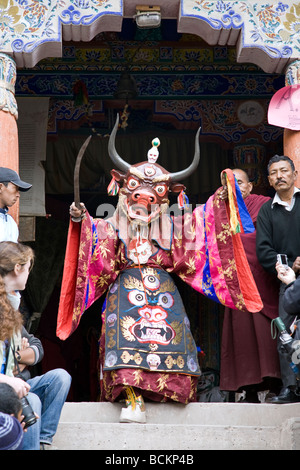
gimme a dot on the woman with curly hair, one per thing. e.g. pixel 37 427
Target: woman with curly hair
pixel 16 261
pixel 18 349
pixel 14 258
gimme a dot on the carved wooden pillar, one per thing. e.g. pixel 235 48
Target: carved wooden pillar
pixel 291 138
pixel 9 146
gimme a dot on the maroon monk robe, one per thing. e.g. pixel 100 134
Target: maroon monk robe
pixel 248 352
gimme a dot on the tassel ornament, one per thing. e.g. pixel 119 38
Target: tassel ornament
pixel 234 222
pixel 183 200
pixel 113 187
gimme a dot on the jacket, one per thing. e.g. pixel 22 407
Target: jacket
pixel 14 344
pixel 291 298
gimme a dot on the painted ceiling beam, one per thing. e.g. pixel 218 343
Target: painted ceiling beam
pixel 265 33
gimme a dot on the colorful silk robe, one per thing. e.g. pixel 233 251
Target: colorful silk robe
pixel 202 248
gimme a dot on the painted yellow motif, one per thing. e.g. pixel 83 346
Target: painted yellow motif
pixel 112 306
pixel 126 323
pixel 177 327
pixel 126 357
pixel 170 362
pixel 111 343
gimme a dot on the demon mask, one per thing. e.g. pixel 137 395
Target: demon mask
pixel 143 196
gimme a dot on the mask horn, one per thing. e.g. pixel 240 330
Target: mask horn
pixel 180 175
pixel 115 157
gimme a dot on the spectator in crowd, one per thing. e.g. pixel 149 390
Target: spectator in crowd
pixel 278 232
pixel 10 403
pixel 249 360
pixel 11 433
pixel 46 393
pixel 10 187
pixel 291 296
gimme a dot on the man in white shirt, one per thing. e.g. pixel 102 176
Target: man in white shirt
pixel 10 187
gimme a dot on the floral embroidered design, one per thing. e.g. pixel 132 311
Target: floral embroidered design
pixel 224 234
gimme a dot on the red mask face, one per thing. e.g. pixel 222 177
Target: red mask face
pixel 145 190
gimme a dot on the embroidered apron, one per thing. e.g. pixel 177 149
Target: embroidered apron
pixel 147 326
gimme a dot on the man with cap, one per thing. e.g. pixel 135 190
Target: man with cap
pixel 10 187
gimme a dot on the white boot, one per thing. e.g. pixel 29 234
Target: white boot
pixel 135 408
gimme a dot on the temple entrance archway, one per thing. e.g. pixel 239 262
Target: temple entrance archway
pixel 218 65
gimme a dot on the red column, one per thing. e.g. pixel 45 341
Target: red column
pixel 291 138
pixel 9 148
pixel 291 147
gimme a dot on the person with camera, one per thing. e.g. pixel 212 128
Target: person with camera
pixel 11 433
pixel 291 296
pixel 43 396
pixel 11 429
pixel 278 232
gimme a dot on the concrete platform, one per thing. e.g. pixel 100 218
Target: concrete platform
pixel 197 426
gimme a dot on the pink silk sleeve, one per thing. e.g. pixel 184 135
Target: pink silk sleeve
pixel 211 258
pixel 90 267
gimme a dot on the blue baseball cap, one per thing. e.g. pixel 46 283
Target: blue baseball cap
pixel 10 176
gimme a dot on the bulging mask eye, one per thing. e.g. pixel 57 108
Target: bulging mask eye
pixel 165 300
pixel 137 297
pixel 132 183
pixel 151 282
pixel 161 189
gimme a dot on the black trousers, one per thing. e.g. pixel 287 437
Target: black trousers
pixel 288 377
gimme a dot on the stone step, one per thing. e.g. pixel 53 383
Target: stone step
pixel 169 426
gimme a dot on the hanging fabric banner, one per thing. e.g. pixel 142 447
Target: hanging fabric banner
pixel 284 108
pixel 32 130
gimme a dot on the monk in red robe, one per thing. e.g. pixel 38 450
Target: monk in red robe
pixel 248 351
